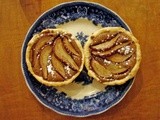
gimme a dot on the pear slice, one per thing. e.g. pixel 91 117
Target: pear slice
pixel 58 66
pixel 119 58
pixel 116 69
pixel 105 45
pixel 37 67
pixel 44 60
pixel 100 69
pixel 36 48
pixel 112 67
pixel 103 37
pixel 130 62
pixel 62 54
pixel 121 75
pixel 73 42
pixel 77 60
pixel 69 72
pixel 68 46
pixel 123 38
pixel 55 77
pixel 109 52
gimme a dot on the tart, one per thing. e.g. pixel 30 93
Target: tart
pixel 112 55
pixel 54 57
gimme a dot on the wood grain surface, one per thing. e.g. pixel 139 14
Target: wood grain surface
pixel 16 101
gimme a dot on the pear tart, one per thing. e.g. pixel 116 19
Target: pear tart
pixel 54 58
pixel 112 55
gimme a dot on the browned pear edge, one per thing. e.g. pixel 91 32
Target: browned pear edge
pixel 87 55
pixel 39 78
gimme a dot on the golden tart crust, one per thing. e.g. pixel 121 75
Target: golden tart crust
pixel 54 58
pixel 112 55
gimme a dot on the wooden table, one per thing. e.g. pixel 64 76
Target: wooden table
pixel 16 101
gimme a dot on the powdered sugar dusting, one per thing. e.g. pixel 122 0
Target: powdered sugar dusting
pixel 70 40
pixel 125 50
pixel 50 68
pixel 68 70
pixel 107 61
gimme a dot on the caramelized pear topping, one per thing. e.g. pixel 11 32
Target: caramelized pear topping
pixel 99 69
pixel 110 51
pixel 105 45
pixel 73 42
pixel 37 67
pixel 58 66
pixel 38 46
pixel 103 37
pixel 53 55
pixel 112 55
pixel 77 59
pixel 62 54
pixel 68 46
pixel 55 77
pixel 119 58
pixel 116 69
pixel 44 60
pixel 121 75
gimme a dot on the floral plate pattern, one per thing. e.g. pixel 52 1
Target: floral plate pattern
pixel 59 101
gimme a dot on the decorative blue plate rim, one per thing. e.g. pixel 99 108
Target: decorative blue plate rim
pixel 28 82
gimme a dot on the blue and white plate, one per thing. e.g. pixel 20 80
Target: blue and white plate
pixel 84 97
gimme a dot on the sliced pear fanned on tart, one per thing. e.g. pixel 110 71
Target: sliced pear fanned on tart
pixel 112 55
pixel 54 58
